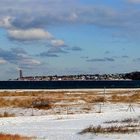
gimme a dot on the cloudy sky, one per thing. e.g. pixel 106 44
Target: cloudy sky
pixel 48 37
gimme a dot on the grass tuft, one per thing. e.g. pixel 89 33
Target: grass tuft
pixel 13 137
pixel 6 114
pixel 111 129
pixel 127 120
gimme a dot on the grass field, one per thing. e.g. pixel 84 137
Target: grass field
pixel 57 100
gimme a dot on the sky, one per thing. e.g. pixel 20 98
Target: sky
pixel 63 37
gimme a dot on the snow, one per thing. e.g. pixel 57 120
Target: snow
pixel 70 90
pixel 67 127
pixel 48 125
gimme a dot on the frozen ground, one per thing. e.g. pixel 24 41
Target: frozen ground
pixel 49 125
pixel 78 90
pixel 67 127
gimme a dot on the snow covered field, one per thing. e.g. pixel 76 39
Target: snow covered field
pixel 65 127
pixel 44 126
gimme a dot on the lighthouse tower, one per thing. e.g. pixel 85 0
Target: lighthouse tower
pixel 20 74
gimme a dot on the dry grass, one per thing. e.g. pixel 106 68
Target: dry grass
pixel 6 114
pixel 13 137
pixel 27 103
pixel 111 129
pixel 52 97
pixel 126 98
pixel 127 120
pixel 93 98
pixel 26 98
pixel 36 93
pixel 15 102
pixel 88 107
pixel 42 104
pixel 130 120
pixel 128 125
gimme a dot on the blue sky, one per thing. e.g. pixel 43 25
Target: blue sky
pixel 49 37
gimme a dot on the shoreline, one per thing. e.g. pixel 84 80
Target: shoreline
pixel 55 90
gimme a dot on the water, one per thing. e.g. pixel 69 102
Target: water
pixel 68 84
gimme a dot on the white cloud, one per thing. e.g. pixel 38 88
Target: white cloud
pixel 51 13
pixel 2 61
pixel 6 22
pixel 29 34
pixel 57 42
pixel 31 62
pixel 18 57
pixel 134 1
pixel 34 34
pixel 59 12
pixel 73 17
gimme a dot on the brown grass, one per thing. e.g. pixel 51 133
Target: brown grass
pixel 127 120
pixel 26 98
pixel 125 98
pixel 52 97
pixel 112 129
pixel 28 103
pixel 87 108
pixel 30 93
pixel 93 98
pixel 42 104
pixel 15 102
pixel 13 137
pixel 130 120
pixel 6 114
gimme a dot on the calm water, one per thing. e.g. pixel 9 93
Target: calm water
pixel 67 84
